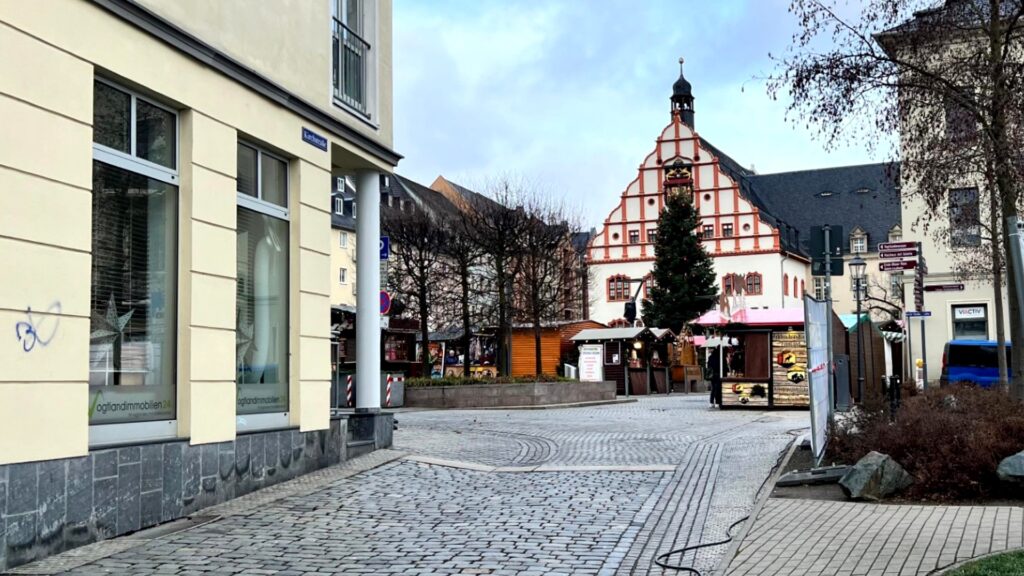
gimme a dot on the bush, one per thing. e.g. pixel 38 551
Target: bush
pixel 950 439
pixel 462 381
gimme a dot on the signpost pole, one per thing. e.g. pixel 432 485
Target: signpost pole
pixel 920 286
pixel 828 322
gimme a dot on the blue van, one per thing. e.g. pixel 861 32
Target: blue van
pixel 971 362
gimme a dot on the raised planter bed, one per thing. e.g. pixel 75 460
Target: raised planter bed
pixel 515 394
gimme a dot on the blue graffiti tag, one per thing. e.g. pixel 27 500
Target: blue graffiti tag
pixel 28 331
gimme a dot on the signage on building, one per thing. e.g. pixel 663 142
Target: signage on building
pixel 897 254
pixel 918 314
pixel 385 302
pixel 310 137
pixel 944 288
pixel 897 265
pixel 591 363
pixel 969 313
pixel 886 246
pixel 385 247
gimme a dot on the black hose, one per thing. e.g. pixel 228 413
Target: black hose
pixel 660 559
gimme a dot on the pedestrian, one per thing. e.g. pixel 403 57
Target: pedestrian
pixel 715 370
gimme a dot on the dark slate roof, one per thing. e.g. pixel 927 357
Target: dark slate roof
pixel 343 221
pixel 580 240
pixel 426 198
pixel 475 199
pixel 850 196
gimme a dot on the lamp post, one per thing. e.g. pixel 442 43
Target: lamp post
pixel 857 268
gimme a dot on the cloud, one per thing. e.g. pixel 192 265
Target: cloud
pixel 572 94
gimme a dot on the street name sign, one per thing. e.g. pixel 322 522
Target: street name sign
pixel 897 265
pixel 944 288
pixel 885 246
pixel 922 314
pixel 897 254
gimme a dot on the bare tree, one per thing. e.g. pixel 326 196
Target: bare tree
pixel 462 253
pixel 948 79
pixel 417 243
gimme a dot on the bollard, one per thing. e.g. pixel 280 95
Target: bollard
pixel 387 395
pixel 348 390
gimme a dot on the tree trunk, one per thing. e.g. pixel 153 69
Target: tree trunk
pixel 466 328
pixel 537 352
pixel 425 331
pixel 501 343
pixel 997 279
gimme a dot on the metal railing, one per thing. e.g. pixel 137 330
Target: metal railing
pixel 350 67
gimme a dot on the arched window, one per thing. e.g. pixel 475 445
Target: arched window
pixel 785 284
pixel 753 281
pixel 795 293
pixel 618 288
pixel 727 284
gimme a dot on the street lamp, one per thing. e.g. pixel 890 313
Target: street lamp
pixel 857 269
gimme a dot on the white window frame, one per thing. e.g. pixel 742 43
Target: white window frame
pixel 339 205
pixel 855 244
pixel 819 284
pixel 269 420
pixel 342 239
pixel 257 203
pixel 134 432
pixel 371 17
pixel 342 276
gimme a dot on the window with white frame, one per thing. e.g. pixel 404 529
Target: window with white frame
pixel 354 65
pixel 262 317
pixel 343 275
pixel 859 243
pixel 343 239
pixel 133 305
pixel 896 234
pixel 819 287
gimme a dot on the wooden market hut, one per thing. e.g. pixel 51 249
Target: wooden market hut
pixel 555 343
pixel 627 353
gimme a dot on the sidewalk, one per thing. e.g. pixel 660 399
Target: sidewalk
pixel 793 537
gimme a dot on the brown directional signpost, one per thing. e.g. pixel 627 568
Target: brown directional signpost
pixel 898 256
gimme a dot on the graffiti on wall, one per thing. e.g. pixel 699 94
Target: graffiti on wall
pixel 38 329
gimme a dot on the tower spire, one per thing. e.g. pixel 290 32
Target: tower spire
pixel 682 97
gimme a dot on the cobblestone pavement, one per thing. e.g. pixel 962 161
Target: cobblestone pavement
pixel 595 490
pixel 817 538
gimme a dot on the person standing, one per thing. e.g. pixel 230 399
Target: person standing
pixel 715 369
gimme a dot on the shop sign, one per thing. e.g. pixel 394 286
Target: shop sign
pixel 260 397
pixel 969 313
pixel 591 363
pixel 111 404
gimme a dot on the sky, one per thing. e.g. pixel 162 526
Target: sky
pixel 571 94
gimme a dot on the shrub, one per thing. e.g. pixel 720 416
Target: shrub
pixel 950 439
pixel 462 381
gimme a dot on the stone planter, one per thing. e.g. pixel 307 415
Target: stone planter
pixel 503 395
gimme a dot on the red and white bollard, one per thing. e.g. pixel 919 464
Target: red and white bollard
pixel 348 390
pixel 387 395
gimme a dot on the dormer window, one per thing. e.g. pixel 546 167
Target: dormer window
pixel 858 241
pixel 824 194
pixel 896 234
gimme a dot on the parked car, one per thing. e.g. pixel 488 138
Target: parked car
pixel 971 362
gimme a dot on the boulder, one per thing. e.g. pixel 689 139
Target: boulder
pixel 875 477
pixel 1011 469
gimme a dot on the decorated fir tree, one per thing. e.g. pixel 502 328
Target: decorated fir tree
pixel 684 275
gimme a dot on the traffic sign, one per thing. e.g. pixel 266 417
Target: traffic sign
pixel 944 288
pixel 897 265
pixel 835 241
pixel 385 247
pixel 919 314
pixel 818 267
pixel 897 246
pixel 897 254
pixel 385 302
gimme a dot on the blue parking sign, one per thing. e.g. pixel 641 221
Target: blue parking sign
pixel 385 247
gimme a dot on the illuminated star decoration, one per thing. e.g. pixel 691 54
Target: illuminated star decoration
pixel 109 327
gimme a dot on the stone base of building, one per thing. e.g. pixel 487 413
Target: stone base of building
pixel 51 506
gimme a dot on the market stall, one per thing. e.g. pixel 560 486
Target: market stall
pixel 629 356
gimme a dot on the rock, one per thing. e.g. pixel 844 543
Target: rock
pixel 1011 469
pixel 875 477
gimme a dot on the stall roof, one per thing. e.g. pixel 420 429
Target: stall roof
pixel 712 318
pixel 662 333
pixel 850 320
pixel 770 317
pixel 610 333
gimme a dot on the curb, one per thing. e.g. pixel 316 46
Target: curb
pixel 957 565
pixel 767 488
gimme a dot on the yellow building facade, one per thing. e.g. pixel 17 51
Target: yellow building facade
pixel 165 231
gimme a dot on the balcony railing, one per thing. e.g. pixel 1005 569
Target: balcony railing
pixel 350 62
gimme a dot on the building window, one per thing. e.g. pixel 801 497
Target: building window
pixel 343 239
pixel 803 288
pixel 819 287
pixel 970 322
pixel 262 286
pixel 896 286
pixel 262 181
pixel 652 236
pixel 339 205
pixel 785 284
pixel 727 285
pixel 960 122
pixel 133 304
pixel 648 285
pixel 634 236
pixel 795 293
pixel 343 275
pixel 896 235
pixel 859 244
pixel 727 230
pixel 754 283
pixel 618 288
pixel 353 70
pixel 709 231
pixel 964 222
